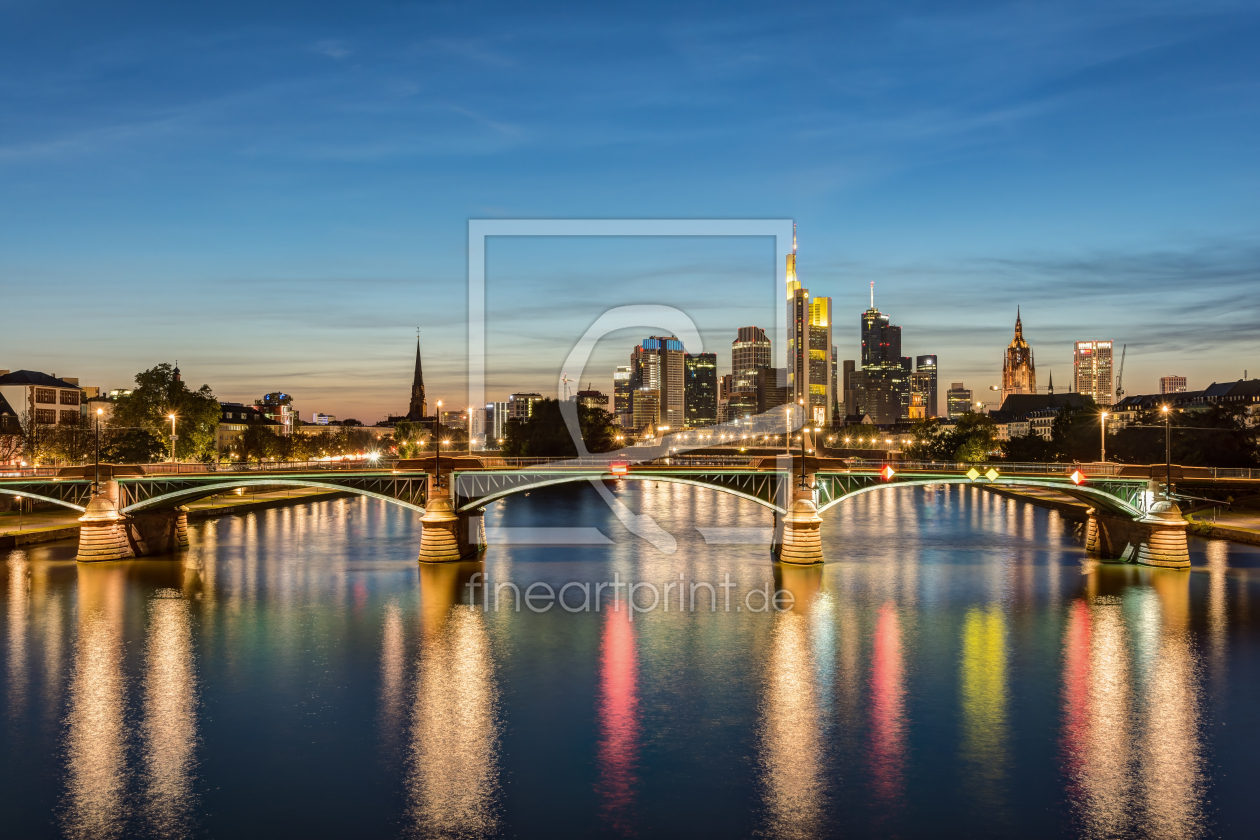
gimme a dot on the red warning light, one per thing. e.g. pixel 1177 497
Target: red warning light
pixel 887 473
pixel 619 469
pixel 1077 477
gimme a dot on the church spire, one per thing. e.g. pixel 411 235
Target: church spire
pixel 1019 326
pixel 417 410
pixel 1050 389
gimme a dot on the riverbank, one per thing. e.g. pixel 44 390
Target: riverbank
pixel 18 530
pixel 1235 526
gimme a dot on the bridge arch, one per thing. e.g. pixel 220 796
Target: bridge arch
pixel 203 490
pixel 495 496
pixel 1090 495
pixel 39 498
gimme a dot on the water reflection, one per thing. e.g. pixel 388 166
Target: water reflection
pixel 1131 737
pixel 453 774
pixel 618 718
pixel 791 737
pixel 170 716
pixel 984 699
pixel 888 708
pixel 16 653
pixel 96 736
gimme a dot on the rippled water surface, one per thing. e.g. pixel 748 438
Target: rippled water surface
pixel 957 668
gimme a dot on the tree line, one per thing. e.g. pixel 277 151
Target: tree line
pixel 1222 436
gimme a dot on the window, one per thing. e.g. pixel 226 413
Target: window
pixel 46 395
pixel 45 416
pixel 70 397
pixel 70 416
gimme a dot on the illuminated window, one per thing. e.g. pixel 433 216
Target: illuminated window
pixel 45 416
pixel 70 397
pixel 46 395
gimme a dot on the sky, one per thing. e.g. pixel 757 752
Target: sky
pixel 278 195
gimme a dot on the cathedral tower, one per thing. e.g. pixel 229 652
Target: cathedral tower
pixel 1019 376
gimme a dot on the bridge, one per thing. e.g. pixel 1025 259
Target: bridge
pixel 140 511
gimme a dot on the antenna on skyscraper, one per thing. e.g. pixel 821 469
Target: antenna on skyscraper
pixel 793 237
pixel 872 294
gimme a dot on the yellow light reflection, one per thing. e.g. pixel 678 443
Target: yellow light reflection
pixel 96 771
pixel 984 700
pixel 453 774
pixel 791 744
pixel 170 716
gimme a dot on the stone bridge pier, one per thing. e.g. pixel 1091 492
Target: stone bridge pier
pixel 1156 539
pixel 107 534
pixel 797 534
pixel 449 535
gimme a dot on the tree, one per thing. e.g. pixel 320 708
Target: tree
pixel 972 439
pixel 11 443
pixel 256 443
pixel 131 446
pixel 546 435
pixel 1028 448
pixel 1224 436
pixel 157 395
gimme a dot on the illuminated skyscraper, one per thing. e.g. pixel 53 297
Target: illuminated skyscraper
pixel 1091 370
pixel 749 351
pixel 1019 376
pixel 623 406
pixel 657 365
pixel 882 388
pixel 822 395
pixel 809 346
pixel 958 400
pixel 701 389
pixel 923 382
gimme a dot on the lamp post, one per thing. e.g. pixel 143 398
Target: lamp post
pixel 1103 456
pixel 1167 450
pixel 97 487
pixel 173 438
pixel 437 446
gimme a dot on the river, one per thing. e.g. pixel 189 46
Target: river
pixel 959 667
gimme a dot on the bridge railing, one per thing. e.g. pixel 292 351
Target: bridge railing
pixel 604 463
pixel 1001 466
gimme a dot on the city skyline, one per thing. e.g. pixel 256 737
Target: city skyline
pixel 300 184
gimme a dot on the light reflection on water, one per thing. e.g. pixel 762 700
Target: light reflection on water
pixel 296 672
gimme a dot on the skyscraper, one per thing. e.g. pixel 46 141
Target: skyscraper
pixel 884 380
pixel 1019 376
pixel 846 383
pixel 657 365
pixel 923 382
pixel 623 406
pixel 1091 370
pixel 701 389
pixel 749 351
pixel 809 346
pixel 958 400
pixel 417 410
pixel 821 393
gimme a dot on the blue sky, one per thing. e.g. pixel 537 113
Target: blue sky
pixel 277 196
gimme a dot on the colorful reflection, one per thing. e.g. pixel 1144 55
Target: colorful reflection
pixel 453 774
pixel 1131 740
pixel 984 701
pixel 16 653
pixel 888 708
pixel 169 730
pixel 96 735
pixel 618 719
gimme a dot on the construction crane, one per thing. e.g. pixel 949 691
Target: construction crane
pixel 1120 375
